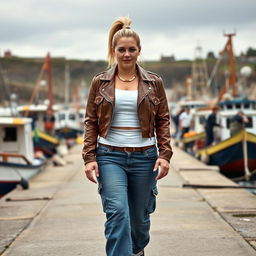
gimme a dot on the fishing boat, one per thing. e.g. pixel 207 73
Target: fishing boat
pixel 235 155
pixel 196 138
pixel 17 161
pixel 68 124
pixel 42 141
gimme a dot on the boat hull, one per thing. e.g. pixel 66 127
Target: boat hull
pixel 68 133
pixel 45 143
pixel 231 160
pixel 11 174
pixel 229 154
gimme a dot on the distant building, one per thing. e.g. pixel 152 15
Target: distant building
pixel 167 58
pixel 7 54
pixel 245 59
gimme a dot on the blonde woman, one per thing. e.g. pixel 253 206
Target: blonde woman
pixel 127 141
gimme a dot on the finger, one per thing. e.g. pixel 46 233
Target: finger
pixel 90 176
pixel 96 171
pixel 163 172
pixel 156 166
pixel 161 175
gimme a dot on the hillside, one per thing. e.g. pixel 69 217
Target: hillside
pixel 20 74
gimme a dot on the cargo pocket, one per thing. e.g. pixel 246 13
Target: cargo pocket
pixel 152 200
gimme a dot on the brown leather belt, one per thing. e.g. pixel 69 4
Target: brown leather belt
pixel 127 149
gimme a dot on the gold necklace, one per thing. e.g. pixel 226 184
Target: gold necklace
pixel 126 80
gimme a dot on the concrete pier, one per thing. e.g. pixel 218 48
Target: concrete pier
pixel 61 214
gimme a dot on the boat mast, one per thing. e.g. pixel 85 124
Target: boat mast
pixel 199 74
pixel 48 67
pixel 45 67
pixel 67 83
pixel 232 78
pixel 3 79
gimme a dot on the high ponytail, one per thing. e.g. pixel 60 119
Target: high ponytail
pixel 120 28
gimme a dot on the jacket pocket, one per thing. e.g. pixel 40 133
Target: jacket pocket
pixel 98 100
pixel 154 104
pixel 155 100
pixel 152 200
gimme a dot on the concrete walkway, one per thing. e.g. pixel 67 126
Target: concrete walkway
pixel 61 214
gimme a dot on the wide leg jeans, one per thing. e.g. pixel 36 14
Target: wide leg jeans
pixel 127 186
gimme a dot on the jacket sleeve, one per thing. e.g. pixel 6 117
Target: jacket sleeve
pixel 90 126
pixel 163 124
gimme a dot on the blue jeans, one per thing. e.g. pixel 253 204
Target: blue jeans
pixel 127 186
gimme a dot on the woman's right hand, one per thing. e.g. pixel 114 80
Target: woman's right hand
pixel 92 171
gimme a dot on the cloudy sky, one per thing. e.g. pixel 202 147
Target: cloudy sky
pixel 79 28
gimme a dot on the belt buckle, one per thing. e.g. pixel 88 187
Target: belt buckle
pixel 125 149
pixel 129 149
pixel 133 149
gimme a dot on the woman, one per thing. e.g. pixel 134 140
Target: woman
pixel 126 107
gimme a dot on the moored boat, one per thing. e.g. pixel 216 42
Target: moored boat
pixel 233 155
pixel 234 150
pixel 42 141
pixel 17 164
pixel 68 124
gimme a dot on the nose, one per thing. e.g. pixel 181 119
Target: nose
pixel 127 53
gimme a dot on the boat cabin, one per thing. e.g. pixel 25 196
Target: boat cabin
pixel 36 113
pixel 192 105
pixel 200 116
pixel 68 123
pixel 16 138
pixel 230 108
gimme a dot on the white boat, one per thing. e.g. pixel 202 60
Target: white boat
pixel 36 112
pixel 193 105
pixel 17 161
pixel 68 123
pixel 230 108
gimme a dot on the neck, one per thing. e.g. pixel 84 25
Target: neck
pixel 126 73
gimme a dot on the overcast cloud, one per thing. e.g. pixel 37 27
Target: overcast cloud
pixel 79 28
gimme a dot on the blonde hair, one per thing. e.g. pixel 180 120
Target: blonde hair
pixel 120 28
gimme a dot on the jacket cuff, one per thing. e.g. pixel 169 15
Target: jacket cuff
pixel 89 159
pixel 167 156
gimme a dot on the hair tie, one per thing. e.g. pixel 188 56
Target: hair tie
pixel 127 27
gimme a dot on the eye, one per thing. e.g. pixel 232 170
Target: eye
pixel 132 49
pixel 121 49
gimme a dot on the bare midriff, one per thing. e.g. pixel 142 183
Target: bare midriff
pixel 125 128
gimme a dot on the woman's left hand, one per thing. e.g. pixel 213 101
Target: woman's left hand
pixel 164 168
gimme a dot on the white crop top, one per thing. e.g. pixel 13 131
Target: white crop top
pixel 125 115
pixel 125 111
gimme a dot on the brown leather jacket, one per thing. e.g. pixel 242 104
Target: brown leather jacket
pixel 152 110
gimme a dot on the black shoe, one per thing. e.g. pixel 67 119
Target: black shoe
pixel 141 253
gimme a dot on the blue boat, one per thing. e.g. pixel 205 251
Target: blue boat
pixel 232 155
pixel 45 143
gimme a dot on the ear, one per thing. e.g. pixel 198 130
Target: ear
pixel 139 50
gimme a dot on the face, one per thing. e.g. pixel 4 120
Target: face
pixel 126 52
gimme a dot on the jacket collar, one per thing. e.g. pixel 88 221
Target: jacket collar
pixel 109 75
pixel 108 88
